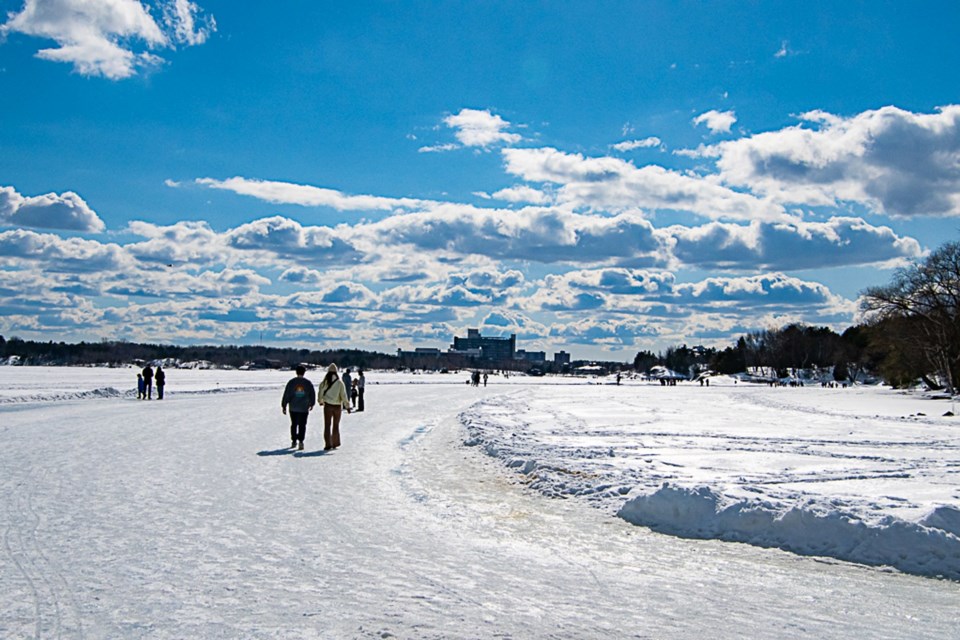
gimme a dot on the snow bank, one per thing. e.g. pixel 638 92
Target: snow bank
pixel 857 475
pixel 930 547
pixel 92 394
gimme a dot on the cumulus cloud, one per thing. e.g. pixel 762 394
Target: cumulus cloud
pixel 482 287
pixel 523 193
pixel 620 281
pixel 532 233
pixel 716 121
pixel 107 37
pixel 574 258
pixel 608 332
pixel 615 184
pixel 285 238
pixel 302 275
pixel 188 242
pixel 771 289
pixel 334 293
pixel 480 128
pixel 74 255
pixel 797 245
pixel 308 196
pixel 66 211
pixel 894 161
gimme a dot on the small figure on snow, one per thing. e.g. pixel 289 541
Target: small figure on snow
pixel 359 384
pixel 348 383
pixel 141 387
pixel 148 382
pixel 161 379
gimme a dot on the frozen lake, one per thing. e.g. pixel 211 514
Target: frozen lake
pixel 460 512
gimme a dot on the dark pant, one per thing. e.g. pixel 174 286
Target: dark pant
pixel 360 399
pixel 298 425
pixel 159 391
pixel 331 425
pixel 148 386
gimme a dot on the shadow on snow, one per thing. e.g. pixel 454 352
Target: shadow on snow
pixel 292 452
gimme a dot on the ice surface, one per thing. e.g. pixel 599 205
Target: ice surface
pixel 189 518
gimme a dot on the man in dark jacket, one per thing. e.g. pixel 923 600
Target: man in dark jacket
pixel 148 381
pixel 161 378
pixel 300 395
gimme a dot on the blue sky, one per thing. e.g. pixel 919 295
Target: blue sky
pixel 599 177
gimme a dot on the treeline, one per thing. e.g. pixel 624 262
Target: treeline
pixel 120 353
pixel 911 333
pixel 775 353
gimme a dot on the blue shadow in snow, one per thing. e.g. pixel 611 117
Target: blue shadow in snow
pixel 311 454
pixel 275 452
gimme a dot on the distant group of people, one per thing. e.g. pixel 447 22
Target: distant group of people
pixel 335 394
pixel 475 378
pixel 145 382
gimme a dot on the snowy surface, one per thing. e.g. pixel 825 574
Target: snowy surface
pixel 856 474
pixel 440 517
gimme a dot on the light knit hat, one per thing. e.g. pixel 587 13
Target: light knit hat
pixel 332 368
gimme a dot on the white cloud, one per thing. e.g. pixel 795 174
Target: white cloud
pixel 532 233
pixel 716 121
pixel 796 245
pixel 183 243
pixel 437 148
pixel 302 275
pixel 614 184
pixel 523 193
pixel 72 255
pixel 630 145
pixel 308 196
pixel 783 51
pixel 896 162
pixel 182 17
pixel 480 128
pixel 66 211
pixel 584 263
pixel 98 36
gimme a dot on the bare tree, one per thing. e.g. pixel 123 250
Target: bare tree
pixel 927 297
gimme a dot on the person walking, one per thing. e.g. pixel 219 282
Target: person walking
pixel 348 382
pixel 359 384
pixel 333 395
pixel 300 396
pixel 148 382
pixel 161 379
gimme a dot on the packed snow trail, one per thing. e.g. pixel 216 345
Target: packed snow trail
pixel 189 518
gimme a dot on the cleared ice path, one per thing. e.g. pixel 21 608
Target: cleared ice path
pixel 187 519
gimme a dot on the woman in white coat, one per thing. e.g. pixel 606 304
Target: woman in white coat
pixel 333 396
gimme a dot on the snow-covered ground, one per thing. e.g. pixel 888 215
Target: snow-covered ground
pixel 439 517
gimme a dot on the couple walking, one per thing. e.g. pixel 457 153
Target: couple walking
pixel 301 397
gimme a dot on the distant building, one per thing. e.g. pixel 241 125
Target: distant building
pixel 531 356
pixel 485 347
pixel 561 358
